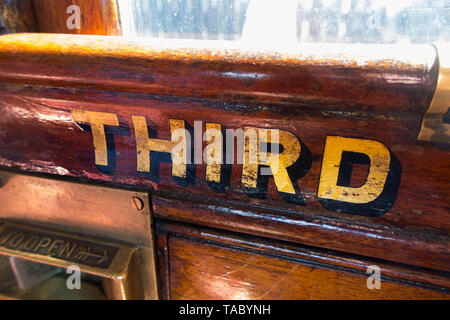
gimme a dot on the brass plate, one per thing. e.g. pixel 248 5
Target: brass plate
pixel 110 228
pixel 435 125
pixel 60 249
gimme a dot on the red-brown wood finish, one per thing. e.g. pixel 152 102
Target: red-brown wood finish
pixel 307 91
pixel 96 17
pixel 209 264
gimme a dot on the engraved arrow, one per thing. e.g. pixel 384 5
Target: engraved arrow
pixel 83 254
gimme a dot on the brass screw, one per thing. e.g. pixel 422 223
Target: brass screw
pixel 137 203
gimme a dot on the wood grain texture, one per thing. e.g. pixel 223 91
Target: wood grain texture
pixel 100 17
pixel 356 78
pixel 17 16
pixel 312 92
pixel 210 264
pixel 336 231
pixel 228 274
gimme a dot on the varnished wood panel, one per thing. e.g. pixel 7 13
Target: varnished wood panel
pixel 312 95
pixel 362 79
pixel 200 271
pixel 99 17
pixel 203 265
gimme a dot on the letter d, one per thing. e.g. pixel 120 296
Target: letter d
pixel 376 195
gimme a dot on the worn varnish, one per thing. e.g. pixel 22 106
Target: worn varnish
pixel 323 77
pixel 209 264
pixel 310 91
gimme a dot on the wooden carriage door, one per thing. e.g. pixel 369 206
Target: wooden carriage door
pixel 363 185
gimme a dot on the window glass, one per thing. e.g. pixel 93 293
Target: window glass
pixel 345 21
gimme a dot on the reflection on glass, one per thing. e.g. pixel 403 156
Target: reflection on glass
pixel 187 19
pixel 347 21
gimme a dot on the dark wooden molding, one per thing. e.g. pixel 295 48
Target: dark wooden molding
pixel 326 230
pixel 356 80
pixel 217 241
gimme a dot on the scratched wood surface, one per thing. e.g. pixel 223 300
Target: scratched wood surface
pixel 96 17
pixel 312 92
pixel 209 264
